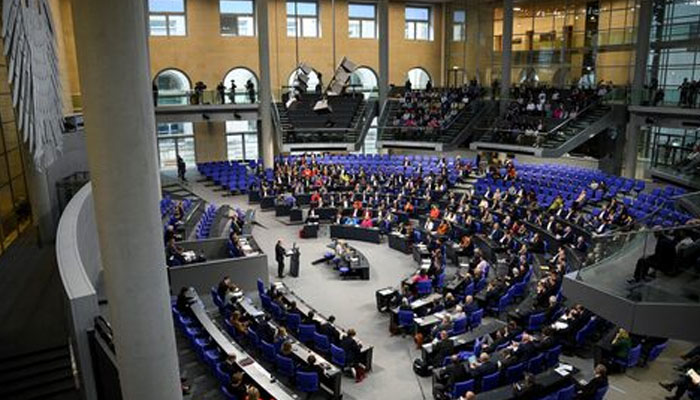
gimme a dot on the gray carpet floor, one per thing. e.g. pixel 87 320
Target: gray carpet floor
pixel 353 303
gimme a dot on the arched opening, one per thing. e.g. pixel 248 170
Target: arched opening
pixel 418 77
pixel 364 80
pixel 240 77
pixel 561 77
pixel 173 87
pixel 528 76
pixel 311 84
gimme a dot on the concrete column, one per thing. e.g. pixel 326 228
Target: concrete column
pixel 112 46
pixel 632 133
pixel 507 53
pixel 383 15
pixel 40 199
pixel 641 51
pixel 266 135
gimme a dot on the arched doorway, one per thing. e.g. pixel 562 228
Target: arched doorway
pixel 240 76
pixel 419 78
pixel 364 80
pixel 173 87
pixel 528 76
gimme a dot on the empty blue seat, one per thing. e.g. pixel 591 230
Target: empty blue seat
pixel 632 358
pixel 307 382
pixel 535 321
pixel 515 372
pixel 600 393
pixel 293 321
pixel 405 319
pixel 337 356
pixel 552 356
pixel 459 326
pixel 306 333
pixel 489 382
pixel 268 351
pixel 536 364
pixel 284 365
pixel 475 318
pixel 322 343
pixel 424 288
pixel 566 393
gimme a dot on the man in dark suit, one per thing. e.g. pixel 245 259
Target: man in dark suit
pixel 482 367
pixel 441 349
pixel 327 328
pixel 454 372
pixel 600 380
pixel 280 253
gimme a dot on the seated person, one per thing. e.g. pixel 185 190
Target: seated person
pixel 366 222
pixel 619 349
pixel 528 388
pixel 442 347
pixel 184 301
pixel 237 387
pixel 688 381
pixel 600 379
pixel 353 348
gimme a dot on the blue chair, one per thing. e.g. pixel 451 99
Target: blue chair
pixel 216 298
pixel 307 382
pixel 461 388
pixel 261 286
pixel 227 394
pixel 502 304
pixel 293 321
pixel 253 339
pixel 534 323
pixel 552 356
pixel 222 376
pixel 600 393
pixel 306 333
pixel 212 357
pixel 489 382
pixel 405 318
pixel 475 318
pixel 536 364
pixel 566 393
pixel 277 312
pixel 322 343
pixel 268 351
pixel 515 373
pixel 285 366
pixel 469 289
pixel 632 358
pixel 656 351
pixel 337 356
pixel 424 288
pixel 459 326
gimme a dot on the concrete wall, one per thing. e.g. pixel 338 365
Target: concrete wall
pixel 210 141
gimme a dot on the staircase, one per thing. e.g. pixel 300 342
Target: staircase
pixel 561 139
pixel 203 384
pixel 44 374
pixel 456 132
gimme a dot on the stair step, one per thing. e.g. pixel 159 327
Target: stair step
pixel 19 374
pixel 36 383
pixel 29 359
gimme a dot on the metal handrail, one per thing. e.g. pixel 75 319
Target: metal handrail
pixel 566 121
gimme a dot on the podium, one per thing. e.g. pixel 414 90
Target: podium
pixel 294 262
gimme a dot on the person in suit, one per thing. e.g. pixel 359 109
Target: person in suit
pixel 184 301
pixel 600 379
pixel 352 354
pixel 454 372
pixel 327 328
pixel 280 253
pixel 528 388
pixel 441 349
pixel 237 387
pixel 482 367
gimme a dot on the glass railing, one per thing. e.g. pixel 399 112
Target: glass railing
pixel 663 97
pixel 206 97
pixel 612 259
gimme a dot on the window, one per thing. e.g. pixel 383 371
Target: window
pixel 240 77
pixel 419 78
pixel 173 87
pixel 418 26
pixel 167 17
pixel 459 25
pixel 237 17
pixel 362 21
pixel 241 140
pixel 302 16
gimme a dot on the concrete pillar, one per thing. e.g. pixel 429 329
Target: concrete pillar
pixel 632 133
pixel 641 51
pixel 507 53
pixel 112 46
pixel 43 209
pixel 383 15
pixel 266 136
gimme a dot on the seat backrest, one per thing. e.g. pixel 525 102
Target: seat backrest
pixel 307 381
pixel 475 318
pixel 600 393
pixel 405 317
pixel 656 351
pixel 634 354
pixel 306 332
pixel 337 355
pixel 553 355
pixel 462 387
pixel 566 393
pixel 515 372
pixel 293 321
pixel 489 382
pixel 261 286
pixel 321 341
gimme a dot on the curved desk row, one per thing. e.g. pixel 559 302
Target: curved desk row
pixel 354 232
pixel 256 372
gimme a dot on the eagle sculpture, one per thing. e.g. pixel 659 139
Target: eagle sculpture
pixel 32 69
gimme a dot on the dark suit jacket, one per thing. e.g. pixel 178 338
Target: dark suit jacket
pixel 588 391
pixel 441 350
pixel 487 368
pixel 279 253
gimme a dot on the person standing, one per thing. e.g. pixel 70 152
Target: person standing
pixel 280 253
pixel 221 91
pixel 232 93
pixel 250 88
pixel 181 168
pixel 155 95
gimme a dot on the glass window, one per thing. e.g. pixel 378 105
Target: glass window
pixel 418 77
pixel 241 140
pixel 458 25
pixel 302 15
pixel 418 23
pixel 167 18
pixel 173 87
pixel 239 77
pixel 362 21
pixel 237 17
pixel 234 147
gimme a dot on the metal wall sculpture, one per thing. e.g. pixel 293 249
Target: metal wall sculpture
pixel 30 51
